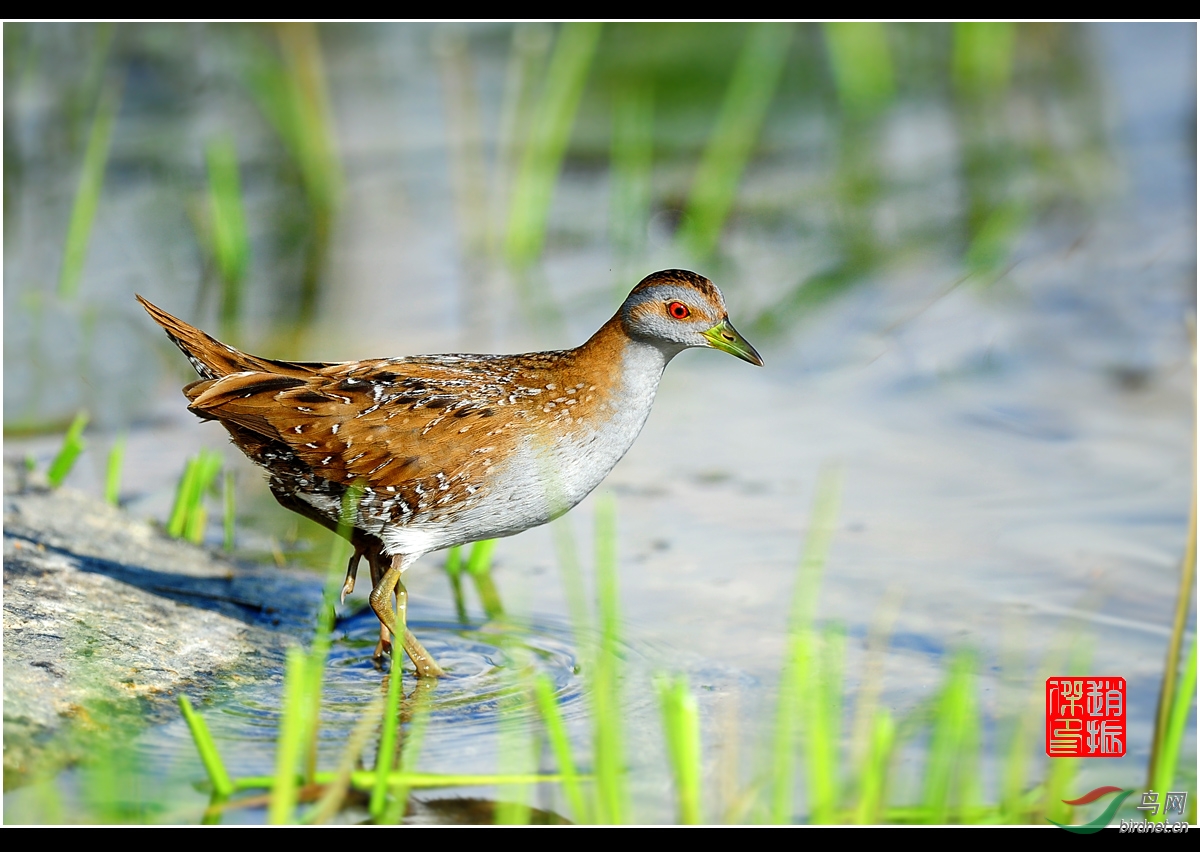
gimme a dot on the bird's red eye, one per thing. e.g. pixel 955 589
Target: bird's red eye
pixel 678 310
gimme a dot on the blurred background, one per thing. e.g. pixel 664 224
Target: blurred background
pixel 966 252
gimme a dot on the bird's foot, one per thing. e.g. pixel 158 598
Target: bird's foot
pixel 424 663
pixel 351 574
pixel 384 645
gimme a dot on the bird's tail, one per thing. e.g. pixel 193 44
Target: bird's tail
pixel 212 358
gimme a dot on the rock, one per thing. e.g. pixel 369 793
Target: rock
pixel 105 617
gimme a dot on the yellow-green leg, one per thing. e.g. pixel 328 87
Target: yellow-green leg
pixel 352 572
pixel 381 602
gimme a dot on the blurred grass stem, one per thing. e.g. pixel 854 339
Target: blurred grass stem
pixel 553 119
pixel 87 195
pixel 70 450
pixel 739 124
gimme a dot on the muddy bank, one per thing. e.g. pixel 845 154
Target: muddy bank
pixel 106 618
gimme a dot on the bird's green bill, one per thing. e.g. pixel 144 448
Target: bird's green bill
pixel 725 337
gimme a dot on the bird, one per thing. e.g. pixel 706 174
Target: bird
pixel 409 455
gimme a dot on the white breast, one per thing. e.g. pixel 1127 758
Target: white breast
pixel 542 480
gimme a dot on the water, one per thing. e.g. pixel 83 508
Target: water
pixel 1015 447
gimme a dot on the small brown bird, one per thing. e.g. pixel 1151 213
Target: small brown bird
pixel 450 449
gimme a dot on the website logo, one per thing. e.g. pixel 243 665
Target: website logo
pixel 1101 821
pixel 1173 803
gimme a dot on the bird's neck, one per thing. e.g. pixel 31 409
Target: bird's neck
pixel 609 384
pixel 632 365
pixel 630 368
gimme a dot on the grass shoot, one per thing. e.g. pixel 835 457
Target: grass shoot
pixel 453 568
pixel 188 514
pixel 229 504
pixel 681 722
pixel 862 65
pixel 112 474
pixel 87 196
pixel 479 567
pixel 554 116
pixel 72 446
pixel 632 168
pixel 230 242
pixel 738 126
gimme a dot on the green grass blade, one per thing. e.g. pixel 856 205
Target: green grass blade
pixel 72 446
pixel 339 559
pixel 321 644
pixel 526 61
pixel 1020 742
pixel 209 756
pixel 290 89
pixel 787 715
pixel 1168 759
pixel 338 783
pixel 796 669
pixel 866 701
pixel 517 748
pixel 386 757
pixel 983 56
pixel 464 134
pixel 197 515
pixel 114 791
pixel 968 787
pixel 230 513
pixel 454 572
pixel 480 560
pixel 87 195
pixel 632 164
pixel 309 118
pixel 196 523
pixel 183 499
pixel 751 89
pixel 479 566
pixel 872 790
pixel 1020 805
pixel 950 739
pixel 1015 770
pixel 554 117
pixel 1059 782
pixel 188 515
pixel 410 752
pixel 560 743
pixel 208 465
pixel 1184 597
pixel 609 758
pixel 574 587
pixel 823 730
pixel 230 241
pixel 992 244
pixel 48 807
pixel 112 476
pixel 681 721
pixel 823 521
pixel 862 65
pixel 282 806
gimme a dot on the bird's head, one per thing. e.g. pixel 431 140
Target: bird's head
pixel 676 309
